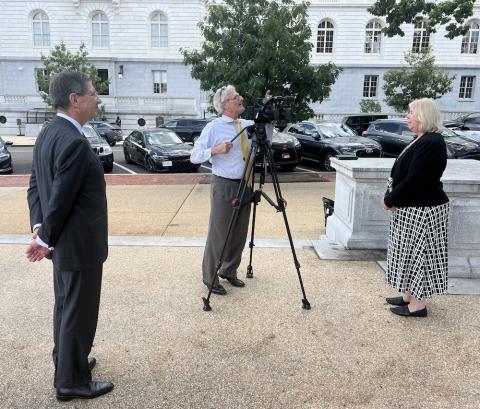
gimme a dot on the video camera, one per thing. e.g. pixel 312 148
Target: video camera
pixel 266 111
pixel 270 109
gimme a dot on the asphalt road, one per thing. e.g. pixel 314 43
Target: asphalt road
pixel 22 161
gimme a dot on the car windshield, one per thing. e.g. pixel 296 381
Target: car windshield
pixel 447 133
pixel 162 138
pixel 91 134
pixel 332 130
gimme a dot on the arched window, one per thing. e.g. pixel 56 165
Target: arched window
pixel 421 37
pixel 373 37
pixel 159 30
pixel 41 29
pixel 100 30
pixel 470 40
pixel 325 37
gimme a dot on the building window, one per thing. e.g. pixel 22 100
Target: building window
pixel 370 83
pixel 373 37
pixel 421 37
pixel 103 87
pixel 42 80
pixel 100 30
pixel 467 85
pixel 41 30
pixel 470 40
pixel 159 82
pixel 159 30
pixel 325 37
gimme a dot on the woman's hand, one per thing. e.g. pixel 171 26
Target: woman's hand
pixel 385 207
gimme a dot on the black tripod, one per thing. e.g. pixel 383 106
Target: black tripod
pixel 260 154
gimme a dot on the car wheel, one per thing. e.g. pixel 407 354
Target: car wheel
pixel 128 159
pixel 326 161
pixel 149 165
pixel 289 168
pixel 108 168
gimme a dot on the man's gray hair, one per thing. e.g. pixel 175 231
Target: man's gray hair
pixel 220 97
pixel 65 83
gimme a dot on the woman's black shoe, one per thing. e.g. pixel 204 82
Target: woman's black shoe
pixel 405 312
pixel 397 301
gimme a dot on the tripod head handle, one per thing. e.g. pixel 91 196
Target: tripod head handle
pixel 249 128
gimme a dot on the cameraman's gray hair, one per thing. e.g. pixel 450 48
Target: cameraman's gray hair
pixel 65 83
pixel 220 97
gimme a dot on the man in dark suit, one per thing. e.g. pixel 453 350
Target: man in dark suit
pixel 68 215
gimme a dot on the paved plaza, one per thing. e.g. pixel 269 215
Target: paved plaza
pixel 257 348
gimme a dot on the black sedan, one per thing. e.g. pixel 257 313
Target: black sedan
pixel 394 135
pixel 5 157
pixel 469 122
pixel 185 128
pixel 286 150
pixel 158 150
pixel 323 140
pixel 100 147
pixel 111 133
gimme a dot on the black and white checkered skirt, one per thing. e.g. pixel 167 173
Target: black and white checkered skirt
pixel 417 258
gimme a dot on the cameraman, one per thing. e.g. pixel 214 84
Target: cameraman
pixel 228 163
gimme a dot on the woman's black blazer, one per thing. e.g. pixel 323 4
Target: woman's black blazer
pixel 416 174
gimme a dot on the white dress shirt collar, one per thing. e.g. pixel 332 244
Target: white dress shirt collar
pixel 73 121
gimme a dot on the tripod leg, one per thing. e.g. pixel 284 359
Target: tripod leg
pixel 281 206
pixel 251 245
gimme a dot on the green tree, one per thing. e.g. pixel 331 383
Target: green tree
pixel 60 59
pixel 370 105
pixel 451 13
pixel 422 79
pixel 260 45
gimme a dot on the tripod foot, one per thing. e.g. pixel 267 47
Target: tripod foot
pixel 249 272
pixel 305 304
pixel 206 304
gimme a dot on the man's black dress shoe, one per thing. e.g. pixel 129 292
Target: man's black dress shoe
pixel 236 282
pixel 405 312
pixel 91 390
pixel 397 301
pixel 91 364
pixel 218 289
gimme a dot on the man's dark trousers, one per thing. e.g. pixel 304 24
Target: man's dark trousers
pixel 77 299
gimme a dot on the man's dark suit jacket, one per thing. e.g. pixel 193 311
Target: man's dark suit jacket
pixel 416 174
pixel 67 196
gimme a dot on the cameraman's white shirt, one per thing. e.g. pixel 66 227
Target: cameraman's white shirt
pixel 227 165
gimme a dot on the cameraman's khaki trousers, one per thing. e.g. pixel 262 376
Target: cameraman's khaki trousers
pixel 221 194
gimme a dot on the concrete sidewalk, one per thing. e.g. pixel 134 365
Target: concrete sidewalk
pixel 257 348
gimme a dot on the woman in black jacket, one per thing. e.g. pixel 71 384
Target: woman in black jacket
pixel 417 258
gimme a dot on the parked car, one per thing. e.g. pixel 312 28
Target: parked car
pixel 111 133
pixel 320 141
pixel 100 147
pixel 469 122
pixel 286 151
pixel 5 157
pixel 158 150
pixel 394 135
pixel 360 122
pixel 185 128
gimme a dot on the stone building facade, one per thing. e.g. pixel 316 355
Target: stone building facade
pixel 136 45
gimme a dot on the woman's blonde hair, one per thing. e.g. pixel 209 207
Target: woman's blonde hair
pixel 427 114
